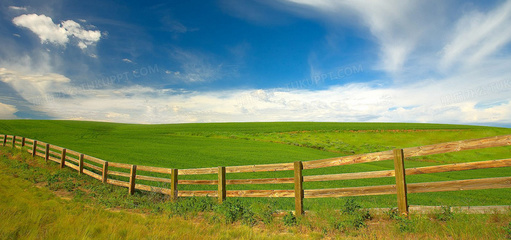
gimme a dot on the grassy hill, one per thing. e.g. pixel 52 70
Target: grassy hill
pixel 228 144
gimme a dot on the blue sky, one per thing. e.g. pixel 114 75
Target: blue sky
pixel 256 60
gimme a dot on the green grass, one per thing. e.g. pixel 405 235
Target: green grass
pixel 30 212
pixel 228 144
pixel 38 203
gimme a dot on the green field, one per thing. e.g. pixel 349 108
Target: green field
pixel 42 201
pixel 30 211
pixel 228 144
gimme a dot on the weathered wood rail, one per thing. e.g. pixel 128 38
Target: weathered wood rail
pixel 103 170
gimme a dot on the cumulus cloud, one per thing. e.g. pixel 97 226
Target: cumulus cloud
pixel 58 34
pixel 43 27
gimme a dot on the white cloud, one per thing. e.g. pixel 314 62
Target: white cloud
pixel 478 35
pixel 197 67
pixel 400 29
pixel 34 87
pixel 44 27
pixel 354 102
pixel 114 115
pixel 58 34
pixel 10 76
pixel 7 111
pixel 18 8
pixel 398 25
pixel 85 37
pixel 417 37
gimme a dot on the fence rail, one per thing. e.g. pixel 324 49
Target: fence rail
pixel 103 170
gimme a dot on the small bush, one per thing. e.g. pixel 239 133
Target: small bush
pixel 405 224
pixel 392 214
pixel 190 206
pixel 233 210
pixel 289 219
pixel 444 214
pixel 352 217
pixel 53 181
pixel 350 206
pixel 263 212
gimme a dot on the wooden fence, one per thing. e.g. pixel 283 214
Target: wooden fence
pixel 103 170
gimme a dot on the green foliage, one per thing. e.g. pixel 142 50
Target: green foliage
pixel 263 211
pixel 352 217
pixel 405 224
pixel 392 214
pixel 235 210
pixel 444 213
pixel 289 219
pixel 350 207
pixel 187 207
pixel 507 229
pixel 60 180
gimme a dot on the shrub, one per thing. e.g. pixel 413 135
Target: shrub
pixel 190 206
pixel 444 214
pixel 392 214
pixel 233 210
pixel 405 224
pixel 263 212
pixel 352 217
pixel 289 219
pixel 350 206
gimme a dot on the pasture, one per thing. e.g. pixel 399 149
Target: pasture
pixel 231 144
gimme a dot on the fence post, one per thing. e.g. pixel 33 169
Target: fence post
pixel 399 167
pixel 22 142
pixel 63 158
pixel 133 175
pixel 173 186
pixel 13 141
pixel 34 148
pixel 80 164
pixel 298 167
pixel 47 153
pixel 5 140
pixel 105 172
pixel 221 184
